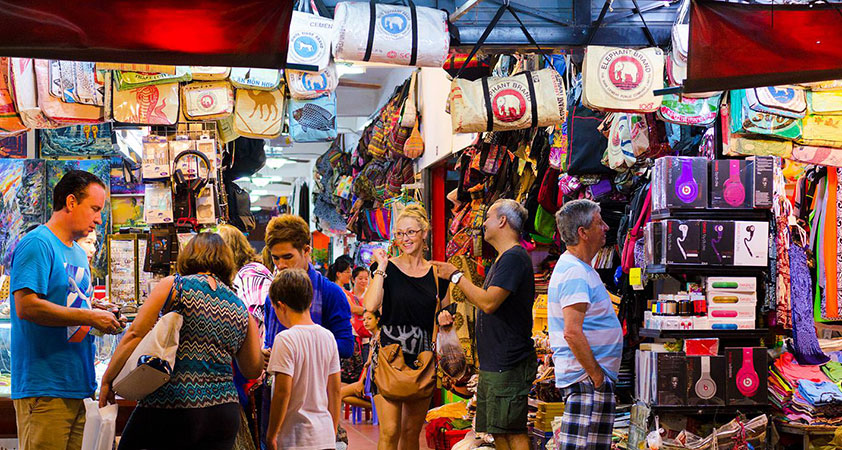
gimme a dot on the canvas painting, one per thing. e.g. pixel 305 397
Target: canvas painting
pixel 102 169
pixel 126 212
pixel 21 202
pixel 120 185
pixel 77 141
pixel 13 147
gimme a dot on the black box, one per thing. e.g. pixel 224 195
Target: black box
pixel 731 184
pixel 706 388
pixel 683 241
pixel 747 369
pixel 672 379
pixel 718 242
pixel 764 181
pixel 686 185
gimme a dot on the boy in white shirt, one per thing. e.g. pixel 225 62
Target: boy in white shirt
pixel 305 362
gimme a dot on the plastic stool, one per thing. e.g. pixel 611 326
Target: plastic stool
pixel 374 420
pixel 356 415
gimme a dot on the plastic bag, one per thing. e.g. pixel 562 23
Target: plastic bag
pixel 100 426
pixel 451 356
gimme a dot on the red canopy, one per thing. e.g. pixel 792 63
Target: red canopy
pixel 735 46
pixel 237 33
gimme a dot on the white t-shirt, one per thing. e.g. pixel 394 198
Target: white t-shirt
pixel 307 353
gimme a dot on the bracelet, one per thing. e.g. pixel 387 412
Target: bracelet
pixel 382 273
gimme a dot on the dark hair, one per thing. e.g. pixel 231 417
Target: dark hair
pixel 340 265
pixel 74 182
pixel 374 313
pixel 207 252
pixel 357 271
pixel 293 288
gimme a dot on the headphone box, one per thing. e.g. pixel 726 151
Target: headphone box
pixel 752 244
pixel 653 235
pixel 706 380
pixel 731 284
pixel 731 184
pixel 747 369
pixel 718 242
pixel 672 379
pixel 683 241
pixel 763 182
pixel 686 184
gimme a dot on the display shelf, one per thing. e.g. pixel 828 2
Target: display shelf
pixel 713 214
pixel 709 410
pixel 758 333
pixel 695 269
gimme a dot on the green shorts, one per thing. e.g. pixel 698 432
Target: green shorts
pixel 502 399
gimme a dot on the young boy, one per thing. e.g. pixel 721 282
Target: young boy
pixel 305 362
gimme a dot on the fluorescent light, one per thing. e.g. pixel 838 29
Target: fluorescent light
pixel 260 181
pixel 255 208
pixel 276 163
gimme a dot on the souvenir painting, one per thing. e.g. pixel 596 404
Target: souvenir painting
pixel 13 147
pixel 76 141
pixel 127 212
pixel 21 202
pixel 119 184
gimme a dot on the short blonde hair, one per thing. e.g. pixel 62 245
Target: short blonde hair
pixel 288 228
pixel 243 251
pixel 415 212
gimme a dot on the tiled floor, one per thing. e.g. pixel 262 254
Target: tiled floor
pixel 364 436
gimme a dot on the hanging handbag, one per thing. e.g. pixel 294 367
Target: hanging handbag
pixel 210 73
pixel 24 91
pixel 739 145
pixel 391 34
pixel 409 110
pixel 821 131
pixel 259 114
pixel 636 233
pixel 209 100
pixel 586 144
pixel 684 110
pixel 310 39
pixel 524 100
pixel 148 105
pixel 745 121
pixel 132 80
pixel 254 78
pixel 57 110
pixel 398 382
pixel 313 120
pixel 309 85
pixel 827 103
pixel 821 156
pixel 784 101
pixel 10 122
pixel 622 79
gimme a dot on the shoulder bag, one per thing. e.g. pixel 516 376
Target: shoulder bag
pixel 313 120
pixel 785 101
pixel 10 122
pixel 310 39
pixel 209 100
pixel 259 114
pixel 746 121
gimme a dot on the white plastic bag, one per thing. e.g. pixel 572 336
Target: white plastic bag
pixel 100 426
pixel 150 365
pixel 451 356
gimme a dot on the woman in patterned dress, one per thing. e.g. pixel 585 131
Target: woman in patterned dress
pixel 197 408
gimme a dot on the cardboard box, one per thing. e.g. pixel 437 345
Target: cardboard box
pixel 731 184
pixel 731 284
pixel 747 372
pixel 718 239
pixel 672 379
pixel 683 241
pixel 752 244
pixel 763 182
pixel 654 243
pixel 687 182
pixel 732 324
pixel 733 311
pixel 706 384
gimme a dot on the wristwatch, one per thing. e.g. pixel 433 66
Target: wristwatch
pixel 454 279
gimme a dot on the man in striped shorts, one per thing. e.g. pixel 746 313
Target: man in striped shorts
pixel 585 334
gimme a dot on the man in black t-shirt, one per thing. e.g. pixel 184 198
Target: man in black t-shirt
pixel 504 328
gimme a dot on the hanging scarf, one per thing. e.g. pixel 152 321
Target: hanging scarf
pixel 783 218
pixel 806 348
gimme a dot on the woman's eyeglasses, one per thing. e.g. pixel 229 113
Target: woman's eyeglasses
pixel 408 233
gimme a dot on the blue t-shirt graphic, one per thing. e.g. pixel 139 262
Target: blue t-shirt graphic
pixel 51 361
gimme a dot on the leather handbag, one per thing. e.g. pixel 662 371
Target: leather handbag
pixel 148 105
pixel 209 100
pixel 524 100
pixel 784 101
pixel 259 114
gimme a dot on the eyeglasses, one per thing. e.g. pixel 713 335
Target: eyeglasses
pixel 408 233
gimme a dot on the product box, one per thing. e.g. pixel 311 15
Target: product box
pixel 747 369
pixel 654 245
pixel 672 379
pixel 731 184
pixel 731 284
pixel 718 239
pixel 706 380
pixel 752 244
pixel 763 182
pixel 683 241
pixel 725 298
pixel 686 183
pixel 733 311
pixel 156 158
pixel 731 324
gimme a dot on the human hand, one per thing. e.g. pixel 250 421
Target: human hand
pixel 446 270
pixel 445 318
pixel 381 257
pixel 266 353
pixel 271 444
pixel 599 380
pixel 104 321
pixel 106 395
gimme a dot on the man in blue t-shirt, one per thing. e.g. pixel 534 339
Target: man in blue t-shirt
pixel 52 350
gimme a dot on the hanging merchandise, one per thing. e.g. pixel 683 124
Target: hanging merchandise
pixel 627 139
pixel 822 156
pixel 148 105
pixel 209 73
pixel 824 131
pixel 259 114
pixel 784 101
pixel 53 107
pixel 313 120
pixel 409 110
pixel 309 85
pixel 156 158
pixel 824 102
pixel 681 110
pixel 132 80
pixel 524 100
pixel 145 68
pixel 746 146
pixel 188 187
pixel 157 203
pixel 745 121
pixel 10 122
pixel 254 78
pixel 622 79
pixel 402 35
pixel 586 143
pixel 209 100
pixel 310 39
pixel 25 93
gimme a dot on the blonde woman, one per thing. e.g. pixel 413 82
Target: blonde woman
pixel 405 290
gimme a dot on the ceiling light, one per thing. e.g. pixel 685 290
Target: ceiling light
pixel 255 209
pixel 260 181
pixel 259 192
pixel 276 163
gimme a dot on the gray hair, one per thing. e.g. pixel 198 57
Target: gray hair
pixel 571 216
pixel 513 211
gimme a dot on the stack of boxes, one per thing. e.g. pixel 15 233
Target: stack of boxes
pixel 727 303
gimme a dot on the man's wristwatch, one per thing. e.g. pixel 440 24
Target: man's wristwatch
pixel 454 279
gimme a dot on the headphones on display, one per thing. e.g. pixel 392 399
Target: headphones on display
pixel 686 187
pixel 734 193
pixel 750 230
pixel 719 230
pixel 705 386
pixel 683 228
pixel 191 187
pixel 747 380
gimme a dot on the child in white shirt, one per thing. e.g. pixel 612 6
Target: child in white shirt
pixel 305 362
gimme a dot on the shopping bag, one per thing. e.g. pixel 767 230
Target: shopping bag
pixel 254 78
pixel 313 120
pixel 745 121
pixel 149 105
pixel 393 34
pixel 309 85
pixel 208 100
pixel 25 94
pixel 622 79
pixel 150 365
pixel 100 426
pixel 259 114
pixel 310 39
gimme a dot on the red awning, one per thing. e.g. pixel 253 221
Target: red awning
pixel 236 33
pixel 735 46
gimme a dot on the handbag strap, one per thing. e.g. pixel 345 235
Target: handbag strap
pixel 601 18
pixel 505 7
pixel 534 102
pixel 413 14
pixel 175 291
pixel 489 112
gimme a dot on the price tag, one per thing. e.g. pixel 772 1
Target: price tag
pixel 636 278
